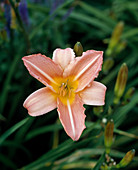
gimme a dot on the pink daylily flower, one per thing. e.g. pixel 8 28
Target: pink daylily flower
pixel 69 84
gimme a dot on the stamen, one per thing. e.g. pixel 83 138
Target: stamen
pixel 64 92
pixel 64 89
pixel 69 92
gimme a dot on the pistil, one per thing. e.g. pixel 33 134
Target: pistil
pixel 66 89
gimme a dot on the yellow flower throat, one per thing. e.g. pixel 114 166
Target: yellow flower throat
pixel 65 88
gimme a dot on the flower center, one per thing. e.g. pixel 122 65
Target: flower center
pixel 65 90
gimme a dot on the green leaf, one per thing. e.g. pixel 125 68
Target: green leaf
pixel 7 162
pixel 100 161
pixel 12 130
pixel 61 150
pixel 98 14
pixel 42 130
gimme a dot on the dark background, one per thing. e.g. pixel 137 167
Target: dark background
pixel 41 26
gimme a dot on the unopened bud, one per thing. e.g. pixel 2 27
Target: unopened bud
pixel 120 83
pixel 116 34
pixel 78 49
pixel 104 166
pixel 121 46
pixel 127 159
pixel 108 135
pixel 107 65
pixel 98 110
pixel 128 95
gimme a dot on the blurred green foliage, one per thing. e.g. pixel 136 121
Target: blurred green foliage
pixel 41 143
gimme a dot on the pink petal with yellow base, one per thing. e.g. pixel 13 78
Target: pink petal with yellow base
pixel 72 117
pixel 70 84
pixel 85 68
pixel 63 57
pixel 42 68
pixel 94 94
pixel 40 102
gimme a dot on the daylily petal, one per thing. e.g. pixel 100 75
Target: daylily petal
pixel 40 102
pixel 63 57
pixel 72 117
pixel 94 94
pixel 86 68
pixel 42 68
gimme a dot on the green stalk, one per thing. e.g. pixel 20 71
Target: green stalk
pixel 12 130
pixel 6 85
pixel 16 59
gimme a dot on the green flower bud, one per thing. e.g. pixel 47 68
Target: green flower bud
pixel 107 65
pixel 127 159
pixel 78 49
pixel 98 110
pixel 120 83
pixel 116 34
pixel 121 46
pixel 108 135
pixel 128 95
pixel 104 166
